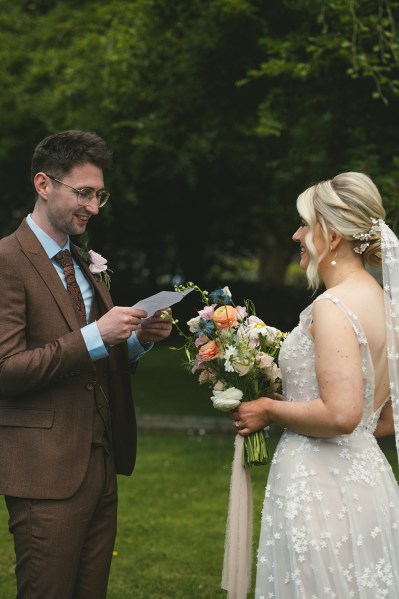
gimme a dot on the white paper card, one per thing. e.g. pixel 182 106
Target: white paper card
pixel 161 300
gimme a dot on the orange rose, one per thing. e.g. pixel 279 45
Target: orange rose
pixel 225 317
pixel 208 352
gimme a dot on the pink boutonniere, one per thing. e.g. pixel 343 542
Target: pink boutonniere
pixel 97 264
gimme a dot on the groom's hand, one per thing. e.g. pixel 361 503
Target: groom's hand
pixel 118 324
pixel 155 328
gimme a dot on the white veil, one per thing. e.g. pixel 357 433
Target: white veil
pixel 390 277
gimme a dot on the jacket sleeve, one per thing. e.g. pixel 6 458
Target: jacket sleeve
pixel 37 346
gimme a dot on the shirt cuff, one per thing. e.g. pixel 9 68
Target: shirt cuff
pixel 94 343
pixel 136 350
pixel 97 349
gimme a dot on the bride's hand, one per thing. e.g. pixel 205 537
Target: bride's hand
pixel 251 416
pixel 277 396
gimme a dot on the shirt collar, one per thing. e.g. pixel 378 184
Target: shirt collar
pixel 50 246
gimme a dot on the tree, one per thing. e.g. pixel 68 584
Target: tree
pixel 220 112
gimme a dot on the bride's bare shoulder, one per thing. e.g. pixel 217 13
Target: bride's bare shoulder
pixel 364 297
pixel 358 290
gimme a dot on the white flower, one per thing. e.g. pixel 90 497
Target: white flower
pixel 242 368
pixel 228 366
pixel 248 336
pixel 193 324
pixel 226 291
pixel 254 320
pixel 265 360
pixel 255 327
pixel 230 353
pixel 226 400
pixel 258 327
pixel 97 264
pixel 271 334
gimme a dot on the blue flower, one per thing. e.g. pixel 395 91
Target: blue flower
pixel 205 327
pixel 220 297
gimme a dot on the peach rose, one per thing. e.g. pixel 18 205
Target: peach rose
pixel 207 352
pixel 207 377
pixel 225 317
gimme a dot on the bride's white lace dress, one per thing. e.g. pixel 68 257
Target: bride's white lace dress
pixel 330 521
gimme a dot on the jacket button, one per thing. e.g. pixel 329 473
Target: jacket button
pixel 90 386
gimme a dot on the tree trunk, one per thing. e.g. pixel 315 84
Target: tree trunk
pixel 274 257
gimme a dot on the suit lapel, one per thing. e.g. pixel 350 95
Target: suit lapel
pixel 99 287
pixel 35 253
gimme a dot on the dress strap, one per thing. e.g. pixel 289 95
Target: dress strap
pixel 351 316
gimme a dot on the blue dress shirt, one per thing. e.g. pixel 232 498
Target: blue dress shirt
pixel 90 332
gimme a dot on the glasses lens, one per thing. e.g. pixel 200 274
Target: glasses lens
pixel 85 196
pixel 102 198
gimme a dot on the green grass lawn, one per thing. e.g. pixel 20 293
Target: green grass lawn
pixel 172 511
pixel 172 517
pixel 162 386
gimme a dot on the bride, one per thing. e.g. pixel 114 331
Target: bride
pixel 330 521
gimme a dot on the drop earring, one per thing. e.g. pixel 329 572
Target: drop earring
pixel 333 261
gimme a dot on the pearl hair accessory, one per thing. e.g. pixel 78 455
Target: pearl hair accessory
pixel 365 237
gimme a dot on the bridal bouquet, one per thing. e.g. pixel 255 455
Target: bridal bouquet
pixel 236 353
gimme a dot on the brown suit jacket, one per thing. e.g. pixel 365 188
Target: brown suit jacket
pixel 47 379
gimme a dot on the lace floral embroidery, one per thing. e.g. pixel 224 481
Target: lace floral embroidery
pixel 330 520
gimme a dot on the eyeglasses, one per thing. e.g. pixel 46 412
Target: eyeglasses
pixel 86 194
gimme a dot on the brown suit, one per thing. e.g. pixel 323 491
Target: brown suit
pixel 46 378
pixel 48 384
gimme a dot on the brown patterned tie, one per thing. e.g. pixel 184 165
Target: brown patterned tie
pixel 65 259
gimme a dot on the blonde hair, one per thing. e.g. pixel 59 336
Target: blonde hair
pixel 345 203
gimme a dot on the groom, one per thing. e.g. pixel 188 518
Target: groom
pixel 67 422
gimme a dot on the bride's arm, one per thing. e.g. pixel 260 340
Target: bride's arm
pixel 339 375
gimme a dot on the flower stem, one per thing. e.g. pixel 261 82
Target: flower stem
pixel 255 452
